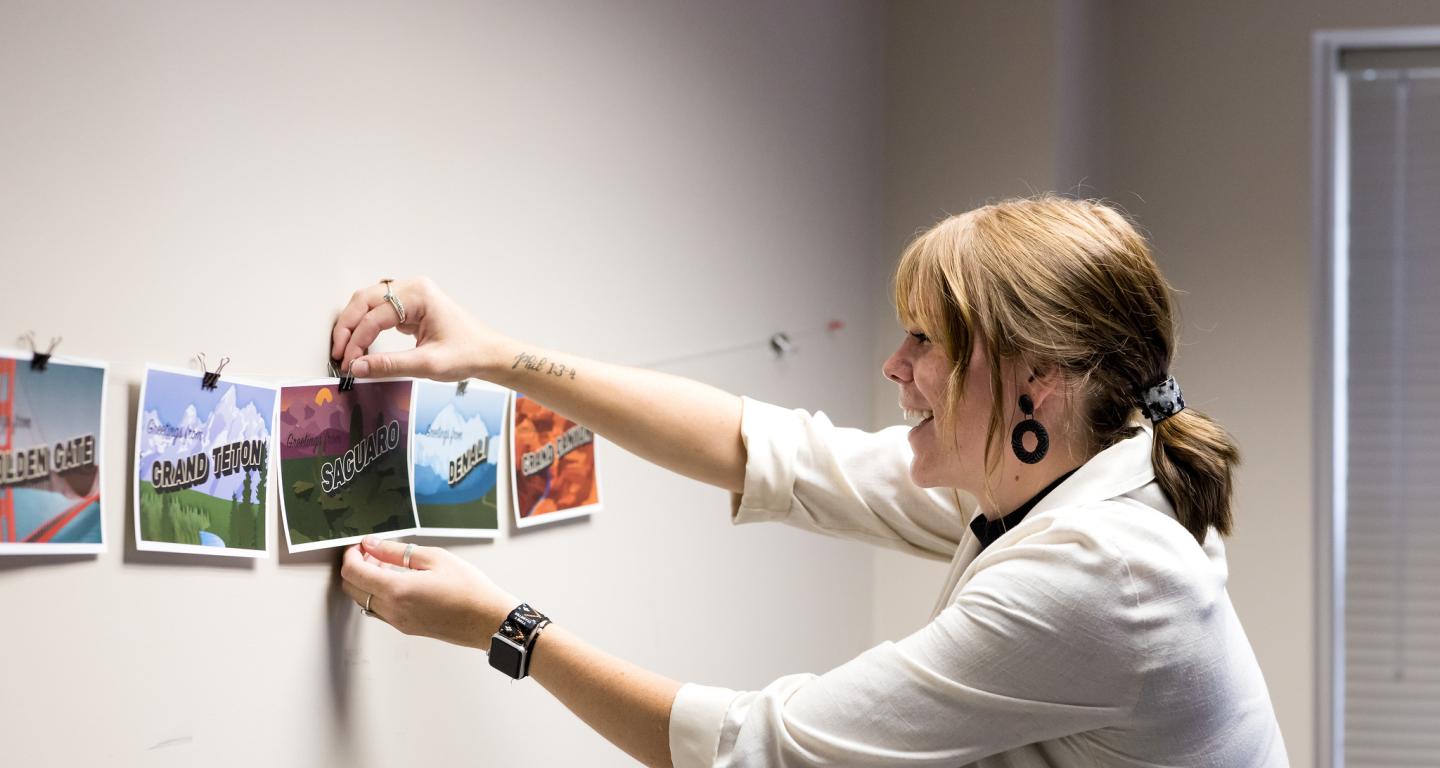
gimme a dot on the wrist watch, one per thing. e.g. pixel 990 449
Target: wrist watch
pixel 510 647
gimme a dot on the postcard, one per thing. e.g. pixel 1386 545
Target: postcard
pixel 458 443
pixel 202 464
pixel 51 474
pixel 345 462
pixel 552 465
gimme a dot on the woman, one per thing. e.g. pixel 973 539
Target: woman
pixel 1084 621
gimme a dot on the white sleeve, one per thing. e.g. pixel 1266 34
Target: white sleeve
pixel 802 470
pixel 1046 640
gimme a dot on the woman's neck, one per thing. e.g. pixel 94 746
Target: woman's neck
pixel 1018 483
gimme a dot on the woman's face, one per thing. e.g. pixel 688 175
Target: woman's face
pixel 922 370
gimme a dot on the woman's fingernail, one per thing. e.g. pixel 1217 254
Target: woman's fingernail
pixel 371 542
pixel 360 368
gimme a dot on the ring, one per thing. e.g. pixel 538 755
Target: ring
pixel 366 610
pixel 394 300
pixel 405 562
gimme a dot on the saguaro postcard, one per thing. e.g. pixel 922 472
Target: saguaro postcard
pixel 345 462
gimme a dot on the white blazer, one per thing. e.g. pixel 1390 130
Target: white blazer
pixel 1097 632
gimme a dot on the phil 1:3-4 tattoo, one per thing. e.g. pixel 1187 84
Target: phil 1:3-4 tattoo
pixel 543 365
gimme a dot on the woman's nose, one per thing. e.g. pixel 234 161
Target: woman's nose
pixel 897 367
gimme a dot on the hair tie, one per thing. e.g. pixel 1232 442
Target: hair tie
pixel 1162 401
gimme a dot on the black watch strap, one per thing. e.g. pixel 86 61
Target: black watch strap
pixel 510 647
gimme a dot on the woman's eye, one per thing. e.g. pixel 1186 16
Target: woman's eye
pixel 919 337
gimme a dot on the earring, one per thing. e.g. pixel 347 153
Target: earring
pixel 1017 438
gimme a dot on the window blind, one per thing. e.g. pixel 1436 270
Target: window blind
pixel 1392 473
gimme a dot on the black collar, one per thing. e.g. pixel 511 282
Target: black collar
pixel 987 530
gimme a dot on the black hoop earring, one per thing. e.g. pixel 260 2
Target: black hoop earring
pixel 1017 438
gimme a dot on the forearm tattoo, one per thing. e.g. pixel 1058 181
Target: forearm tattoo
pixel 542 365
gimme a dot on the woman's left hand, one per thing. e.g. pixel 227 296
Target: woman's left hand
pixel 439 595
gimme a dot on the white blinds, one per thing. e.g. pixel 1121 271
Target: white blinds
pixel 1392 481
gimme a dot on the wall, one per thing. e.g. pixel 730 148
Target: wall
pixel 984 101
pixel 1201 114
pixel 1212 152
pixel 969 117
pixel 628 180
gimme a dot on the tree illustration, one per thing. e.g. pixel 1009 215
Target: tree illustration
pixel 247 513
pixel 357 425
pixel 237 524
pixel 167 517
pixel 258 539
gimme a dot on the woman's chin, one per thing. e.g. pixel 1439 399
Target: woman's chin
pixel 921 477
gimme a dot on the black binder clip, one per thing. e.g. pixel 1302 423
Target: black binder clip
pixel 39 360
pixel 347 382
pixel 210 378
pixel 780 345
pixel 460 386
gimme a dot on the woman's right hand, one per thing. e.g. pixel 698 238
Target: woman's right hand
pixel 450 344
pixel 679 424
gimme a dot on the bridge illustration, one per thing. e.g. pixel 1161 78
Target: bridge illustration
pixel 47 530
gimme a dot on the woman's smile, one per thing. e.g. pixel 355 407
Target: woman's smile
pixel 920 416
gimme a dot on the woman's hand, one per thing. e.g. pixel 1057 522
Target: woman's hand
pixel 682 425
pixel 444 597
pixel 450 344
pixel 439 595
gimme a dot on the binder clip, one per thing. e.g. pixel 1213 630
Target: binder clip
pixel 210 378
pixel 460 386
pixel 780 345
pixel 347 382
pixel 39 360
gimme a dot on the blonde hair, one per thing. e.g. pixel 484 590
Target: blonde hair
pixel 1070 286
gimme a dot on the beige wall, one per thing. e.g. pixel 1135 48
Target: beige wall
pixel 1211 148
pixel 1203 131
pixel 970 116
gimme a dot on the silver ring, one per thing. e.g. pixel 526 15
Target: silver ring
pixel 394 300
pixel 366 610
pixel 405 562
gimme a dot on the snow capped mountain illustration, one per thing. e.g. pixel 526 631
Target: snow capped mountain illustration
pixel 165 439
pixel 449 435
pixel 226 423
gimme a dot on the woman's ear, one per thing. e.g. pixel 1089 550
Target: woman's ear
pixel 1040 382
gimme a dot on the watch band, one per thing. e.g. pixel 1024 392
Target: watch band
pixel 511 645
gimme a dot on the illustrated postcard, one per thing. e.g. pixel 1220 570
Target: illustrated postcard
pixel 202 464
pixel 51 429
pixel 345 462
pixel 552 463
pixel 458 443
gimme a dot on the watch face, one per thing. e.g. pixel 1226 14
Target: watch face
pixel 506 657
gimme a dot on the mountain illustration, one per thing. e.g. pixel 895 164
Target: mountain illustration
pixel 228 422
pixel 449 435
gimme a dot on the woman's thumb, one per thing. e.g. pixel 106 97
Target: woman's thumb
pixel 406 363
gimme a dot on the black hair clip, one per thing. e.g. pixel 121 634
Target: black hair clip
pixel 210 379
pixel 39 360
pixel 461 385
